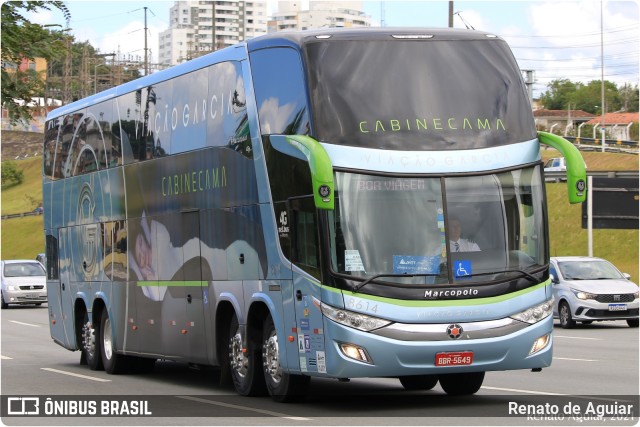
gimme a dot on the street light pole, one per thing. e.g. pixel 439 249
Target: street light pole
pixel 602 74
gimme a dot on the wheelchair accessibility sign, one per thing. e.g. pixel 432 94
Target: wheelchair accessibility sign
pixel 462 268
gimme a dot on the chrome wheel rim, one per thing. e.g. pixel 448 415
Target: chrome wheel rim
pixel 239 362
pixel 89 339
pixel 271 359
pixel 107 340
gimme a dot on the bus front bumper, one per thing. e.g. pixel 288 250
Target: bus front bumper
pixel 390 356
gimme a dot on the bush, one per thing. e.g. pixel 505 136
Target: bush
pixel 11 174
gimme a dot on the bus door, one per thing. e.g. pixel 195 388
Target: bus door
pixel 64 291
pixel 60 309
pixel 194 290
pixel 305 255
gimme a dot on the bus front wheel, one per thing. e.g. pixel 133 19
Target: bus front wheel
pixel 244 363
pixel 461 384
pixel 419 382
pixel 282 387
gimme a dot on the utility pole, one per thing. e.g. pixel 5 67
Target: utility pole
pixel 146 56
pixel 603 108
pixel 450 14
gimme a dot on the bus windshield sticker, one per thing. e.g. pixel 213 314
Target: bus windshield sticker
pixel 408 264
pixel 352 260
pixel 462 268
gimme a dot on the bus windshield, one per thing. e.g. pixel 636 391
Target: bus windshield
pixel 418 95
pixel 490 228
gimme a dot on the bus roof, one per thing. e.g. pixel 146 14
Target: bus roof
pixel 293 38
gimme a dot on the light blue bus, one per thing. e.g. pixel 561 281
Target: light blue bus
pixel 328 203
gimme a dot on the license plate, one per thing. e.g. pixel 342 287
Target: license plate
pixel 456 358
pixel 617 307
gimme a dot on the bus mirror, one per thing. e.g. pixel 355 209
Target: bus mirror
pixel 576 171
pixel 306 148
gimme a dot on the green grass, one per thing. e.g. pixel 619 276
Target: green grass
pixel 24 237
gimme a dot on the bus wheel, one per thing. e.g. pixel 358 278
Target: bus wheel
pixel 461 384
pixel 245 365
pixel 419 382
pixel 113 362
pixel 90 346
pixel 566 321
pixel 282 387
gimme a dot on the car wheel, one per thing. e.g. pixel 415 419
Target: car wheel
pixel 633 323
pixel 419 382
pixel 282 387
pixel 4 304
pixel 461 384
pixel 245 365
pixel 566 321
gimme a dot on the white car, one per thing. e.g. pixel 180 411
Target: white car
pixel 23 282
pixel 588 289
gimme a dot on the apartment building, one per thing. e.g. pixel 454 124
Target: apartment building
pixel 197 27
pixel 292 15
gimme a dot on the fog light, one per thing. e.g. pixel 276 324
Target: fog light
pixel 353 351
pixel 540 343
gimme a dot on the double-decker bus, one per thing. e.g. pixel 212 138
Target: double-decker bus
pixel 328 203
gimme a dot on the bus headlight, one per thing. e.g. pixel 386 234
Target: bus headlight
pixel 353 320
pixel 536 313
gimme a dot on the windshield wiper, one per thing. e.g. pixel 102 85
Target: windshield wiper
pixel 524 273
pixel 370 279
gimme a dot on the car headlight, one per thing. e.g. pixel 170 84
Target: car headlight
pixel 536 313
pixel 583 295
pixel 353 320
pixel 12 288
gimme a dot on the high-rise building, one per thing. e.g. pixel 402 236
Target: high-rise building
pixel 331 14
pixel 197 27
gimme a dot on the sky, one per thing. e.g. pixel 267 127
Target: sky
pixel 556 39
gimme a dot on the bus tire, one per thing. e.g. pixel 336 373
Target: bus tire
pixel 90 344
pixel 245 365
pixel 419 382
pixel 461 384
pixel 113 362
pixel 282 387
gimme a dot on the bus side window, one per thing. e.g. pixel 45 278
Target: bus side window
pixel 304 223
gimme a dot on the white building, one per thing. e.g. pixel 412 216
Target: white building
pixel 200 26
pixel 332 14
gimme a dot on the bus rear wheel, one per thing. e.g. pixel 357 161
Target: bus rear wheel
pixel 282 387
pixel 245 365
pixel 419 382
pixel 113 362
pixel 461 384
pixel 90 345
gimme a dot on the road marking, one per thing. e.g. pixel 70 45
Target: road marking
pixel 6 358
pixel 577 338
pixel 515 390
pixel 25 324
pixel 576 360
pixel 86 377
pixel 244 408
pixel 543 393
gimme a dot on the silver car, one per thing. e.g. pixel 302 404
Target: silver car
pixel 23 282
pixel 588 289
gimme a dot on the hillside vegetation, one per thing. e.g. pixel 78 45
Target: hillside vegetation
pixel 24 237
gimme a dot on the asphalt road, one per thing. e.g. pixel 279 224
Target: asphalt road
pixel 595 365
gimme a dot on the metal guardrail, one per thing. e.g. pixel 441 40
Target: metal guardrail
pixel 21 215
pixel 611 146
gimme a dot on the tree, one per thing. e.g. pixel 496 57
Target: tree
pixel 559 94
pixel 11 173
pixel 22 39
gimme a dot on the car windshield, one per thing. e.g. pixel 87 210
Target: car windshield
pixel 438 230
pixel 588 270
pixel 21 269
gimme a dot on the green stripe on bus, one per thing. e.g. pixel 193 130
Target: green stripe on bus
pixel 195 283
pixel 442 303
